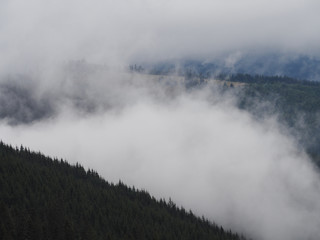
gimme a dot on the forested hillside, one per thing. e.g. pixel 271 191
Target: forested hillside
pixel 295 103
pixel 296 66
pixel 44 198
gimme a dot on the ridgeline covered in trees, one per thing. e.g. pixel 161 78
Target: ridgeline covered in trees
pixel 295 102
pixel 44 198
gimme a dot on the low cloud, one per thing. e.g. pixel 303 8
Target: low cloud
pixel 37 34
pixel 196 147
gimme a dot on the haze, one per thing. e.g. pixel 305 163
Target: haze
pixel 36 33
pixel 196 147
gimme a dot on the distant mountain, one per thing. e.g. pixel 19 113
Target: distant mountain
pixel 296 66
pixel 295 103
pixel 42 198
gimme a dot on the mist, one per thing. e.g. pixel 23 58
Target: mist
pixel 195 147
pixel 65 91
pixel 37 35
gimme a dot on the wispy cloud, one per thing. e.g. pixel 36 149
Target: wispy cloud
pixel 36 33
pixel 196 148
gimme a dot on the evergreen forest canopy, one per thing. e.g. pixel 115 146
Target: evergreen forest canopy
pixel 44 198
pixel 296 104
pixel 271 64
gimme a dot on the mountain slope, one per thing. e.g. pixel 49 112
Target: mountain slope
pixel 42 198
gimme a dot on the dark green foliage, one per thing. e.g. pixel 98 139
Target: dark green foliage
pixel 42 198
pixel 295 66
pixel 295 102
pixel 261 79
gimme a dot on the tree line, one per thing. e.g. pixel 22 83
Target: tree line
pixel 45 198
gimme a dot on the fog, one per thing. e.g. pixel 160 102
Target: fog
pixel 35 34
pixel 195 146
pixel 65 91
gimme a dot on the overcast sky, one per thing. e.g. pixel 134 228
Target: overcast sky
pixel 115 32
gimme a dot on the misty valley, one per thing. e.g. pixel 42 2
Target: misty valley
pixel 293 103
pixel 177 134
pixel 144 119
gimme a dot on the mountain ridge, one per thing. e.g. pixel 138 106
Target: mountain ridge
pixel 44 198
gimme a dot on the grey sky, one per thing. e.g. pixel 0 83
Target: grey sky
pixel 36 32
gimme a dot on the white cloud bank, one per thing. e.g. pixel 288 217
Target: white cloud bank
pixel 35 33
pixel 206 155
